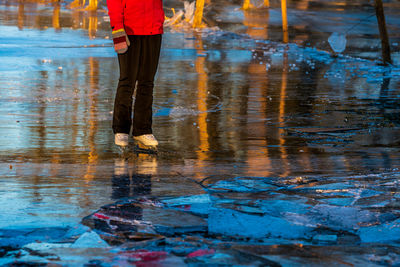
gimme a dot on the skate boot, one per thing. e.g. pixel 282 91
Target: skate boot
pixel 146 142
pixel 122 139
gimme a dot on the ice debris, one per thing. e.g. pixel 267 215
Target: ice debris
pixel 89 240
pixel 338 42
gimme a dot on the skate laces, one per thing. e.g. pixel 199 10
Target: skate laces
pixel 121 136
pixel 149 137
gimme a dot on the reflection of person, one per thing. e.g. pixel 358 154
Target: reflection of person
pixel 120 180
pixel 127 184
pixel 137 27
pixel 136 183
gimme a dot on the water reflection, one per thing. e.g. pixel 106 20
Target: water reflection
pixel 224 106
pixel 132 179
pixel 237 108
pixel 53 14
pixel 283 113
pixel 92 120
pixel 306 26
pixel 202 97
pixel 258 103
pixel 257 22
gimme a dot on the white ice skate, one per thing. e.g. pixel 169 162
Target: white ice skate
pixel 122 139
pixel 146 142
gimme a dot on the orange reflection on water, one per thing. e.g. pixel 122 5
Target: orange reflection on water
pixel 258 156
pixel 257 22
pixel 92 27
pixel 92 119
pixel 202 94
pixel 303 5
pixel 36 14
pixel 282 114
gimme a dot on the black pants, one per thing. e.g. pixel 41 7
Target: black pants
pixel 139 64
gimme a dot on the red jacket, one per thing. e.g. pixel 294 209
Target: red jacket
pixel 137 17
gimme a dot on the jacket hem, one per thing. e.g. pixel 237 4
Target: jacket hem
pixel 130 31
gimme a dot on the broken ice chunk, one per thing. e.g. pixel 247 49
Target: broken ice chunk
pixel 89 240
pixel 338 42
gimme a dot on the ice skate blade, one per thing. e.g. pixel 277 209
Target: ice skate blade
pixel 123 149
pixel 140 148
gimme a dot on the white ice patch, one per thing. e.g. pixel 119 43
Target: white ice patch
pixel 338 42
pixel 89 240
pixel 45 246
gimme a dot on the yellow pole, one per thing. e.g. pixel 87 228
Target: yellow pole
pixel 56 17
pixel 92 5
pixel 246 4
pixel 284 22
pixel 198 14
pixel 21 15
pixel 77 3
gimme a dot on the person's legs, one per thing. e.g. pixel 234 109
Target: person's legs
pixel 128 68
pixel 150 53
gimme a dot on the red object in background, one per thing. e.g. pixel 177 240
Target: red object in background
pixel 201 252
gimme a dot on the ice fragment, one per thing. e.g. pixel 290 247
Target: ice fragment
pixel 338 42
pixel 89 240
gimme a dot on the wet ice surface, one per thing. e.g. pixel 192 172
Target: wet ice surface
pixel 270 154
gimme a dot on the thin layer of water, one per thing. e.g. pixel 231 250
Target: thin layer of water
pixel 261 132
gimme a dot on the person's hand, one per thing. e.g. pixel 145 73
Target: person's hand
pixel 121 41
